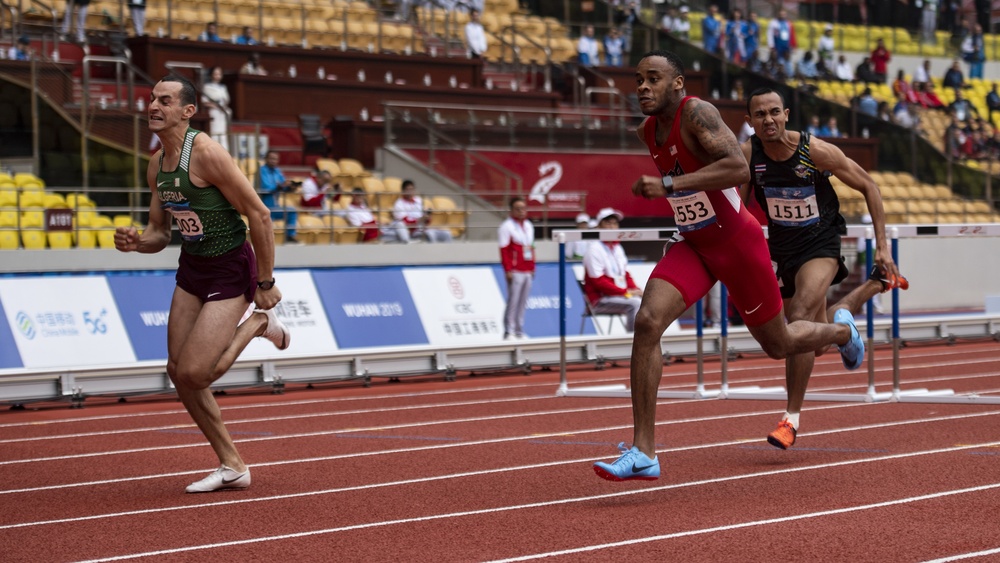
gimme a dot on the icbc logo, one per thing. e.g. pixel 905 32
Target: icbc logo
pixel 455 287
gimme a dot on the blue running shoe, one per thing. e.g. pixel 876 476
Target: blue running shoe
pixel 853 353
pixel 633 464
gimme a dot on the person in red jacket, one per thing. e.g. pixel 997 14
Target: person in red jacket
pixel 517 254
pixel 607 283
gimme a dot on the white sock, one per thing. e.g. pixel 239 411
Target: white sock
pixel 793 419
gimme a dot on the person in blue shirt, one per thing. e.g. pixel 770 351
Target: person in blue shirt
pixel 21 51
pixel 272 181
pixel 711 29
pixel 751 39
pixel 614 47
pixel 736 31
pixel 211 33
pixel 247 37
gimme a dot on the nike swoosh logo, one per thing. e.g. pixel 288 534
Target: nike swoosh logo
pixel 211 295
pixel 751 311
pixel 161 184
pixel 228 481
pixel 637 469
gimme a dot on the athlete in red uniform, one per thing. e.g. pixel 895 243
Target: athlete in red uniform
pixel 701 163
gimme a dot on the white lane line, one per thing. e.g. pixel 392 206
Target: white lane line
pixel 231 423
pixel 544 504
pixel 494 441
pixel 962 556
pixel 733 370
pixel 766 522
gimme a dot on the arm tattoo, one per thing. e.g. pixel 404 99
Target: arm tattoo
pixel 713 135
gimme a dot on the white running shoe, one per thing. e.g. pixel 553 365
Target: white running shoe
pixel 221 478
pixel 276 330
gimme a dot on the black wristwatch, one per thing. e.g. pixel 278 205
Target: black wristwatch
pixel 668 184
pixel 266 284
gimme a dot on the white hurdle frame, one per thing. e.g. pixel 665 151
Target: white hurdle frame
pixel 895 232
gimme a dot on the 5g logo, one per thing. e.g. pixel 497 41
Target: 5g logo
pixel 96 324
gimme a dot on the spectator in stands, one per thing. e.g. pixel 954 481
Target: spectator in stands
pixel 211 33
pixel 586 48
pixel 20 51
pixel 578 248
pixel 752 38
pixel 614 48
pixel 215 98
pixel 246 38
pixel 316 189
pixel 880 58
pixel 902 88
pixel 901 114
pixel 825 48
pixel 669 17
pixel 992 101
pixel 884 113
pixel 625 20
pixel 682 25
pixel 775 67
pixel 806 67
pixel 974 51
pixel 922 74
pixel 866 103
pixel 607 283
pixel 928 98
pixel 953 77
pixel 756 64
pixel 843 70
pixel 81 19
pixel 475 36
pixel 137 11
pixel 359 215
pixel 736 31
pixel 253 66
pixel 928 22
pixel 272 183
pixel 830 129
pixel 962 108
pixel 411 218
pixel 814 127
pixel 864 72
pixel 516 237
pixel 711 30
pixel 781 36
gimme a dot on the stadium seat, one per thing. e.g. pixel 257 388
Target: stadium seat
pixel 343 232
pixel 33 240
pixel 8 240
pixel 60 239
pixel 351 174
pixel 313 230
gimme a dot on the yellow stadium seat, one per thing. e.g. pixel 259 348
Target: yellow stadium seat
pixel 8 198
pixel 86 238
pixel 27 180
pixel 60 239
pixel 33 240
pixel 8 240
pixel 32 198
pixel 313 230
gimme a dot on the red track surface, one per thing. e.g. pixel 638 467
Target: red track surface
pixel 489 467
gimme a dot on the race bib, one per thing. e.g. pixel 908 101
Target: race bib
pixel 529 253
pixel 188 222
pixel 692 210
pixel 792 207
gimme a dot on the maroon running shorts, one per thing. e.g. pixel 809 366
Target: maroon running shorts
pixel 217 278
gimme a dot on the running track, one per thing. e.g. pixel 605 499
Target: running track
pixel 492 468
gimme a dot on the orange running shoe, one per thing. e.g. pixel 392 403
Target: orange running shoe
pixel 783 436
pixel 888 281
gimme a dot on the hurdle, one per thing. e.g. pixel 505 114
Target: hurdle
pixel 895 233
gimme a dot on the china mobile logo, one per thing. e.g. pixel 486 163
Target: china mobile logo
pixel 25 325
